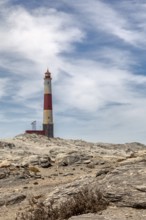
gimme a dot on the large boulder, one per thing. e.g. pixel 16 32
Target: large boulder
pixel 67 159
pixel 32 159
pixel 5 163
pixel 125 185
pixel 45 161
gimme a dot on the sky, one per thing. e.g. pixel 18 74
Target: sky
pixel 96 52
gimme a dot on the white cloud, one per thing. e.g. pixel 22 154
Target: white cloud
pixel 38 36
pixel 112 20
pixel 97 96
pixel 29 42
pixel 4 82
pixel 93 86
pixel 117 58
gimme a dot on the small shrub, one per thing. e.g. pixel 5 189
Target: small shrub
pixel 85 201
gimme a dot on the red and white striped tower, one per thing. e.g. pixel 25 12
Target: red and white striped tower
pixel 48 115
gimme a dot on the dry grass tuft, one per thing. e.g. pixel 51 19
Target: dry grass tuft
pixel 85 201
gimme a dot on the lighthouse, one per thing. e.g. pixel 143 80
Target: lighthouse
pixel 47 114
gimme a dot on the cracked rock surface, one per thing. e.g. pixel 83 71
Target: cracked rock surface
pixel 45 169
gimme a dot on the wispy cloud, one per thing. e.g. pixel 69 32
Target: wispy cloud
pixel 124 21
pixel 29 42
pixel 91 91
pixel 38 35
pixel 4 82
pixel 93 49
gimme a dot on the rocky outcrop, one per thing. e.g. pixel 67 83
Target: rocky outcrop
pixel 63 193
pixel 126 185
pixel 6 145
pixel 55 170
pixel 114 213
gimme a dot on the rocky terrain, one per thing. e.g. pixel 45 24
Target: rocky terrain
pixel 35 170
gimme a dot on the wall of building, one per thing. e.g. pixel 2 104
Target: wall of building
pixel 40 132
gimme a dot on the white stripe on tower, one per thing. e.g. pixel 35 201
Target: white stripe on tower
pixel 48 115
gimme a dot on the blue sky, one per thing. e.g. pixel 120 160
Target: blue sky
pixel 95 50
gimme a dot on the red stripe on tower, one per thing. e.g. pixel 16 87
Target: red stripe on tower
pixel 47 101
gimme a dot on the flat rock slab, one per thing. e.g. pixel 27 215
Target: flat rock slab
pixel 12 199
pixel 126 185
pixel 114 213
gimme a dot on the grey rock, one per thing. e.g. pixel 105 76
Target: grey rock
pixel 33 159
pixel 114 213
pixel 87 162
pixel 6 145
pixel 14 199
pixel 125 185
pixel 45 158
pixel 90 165
pixel 100 162
pixel 68 174
pixel 65 160
pixel 103 171
pixel 45 165
pixel 3 175
pixel 45 161
pixel 11 199
pixel 5 164
pixel 63 193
